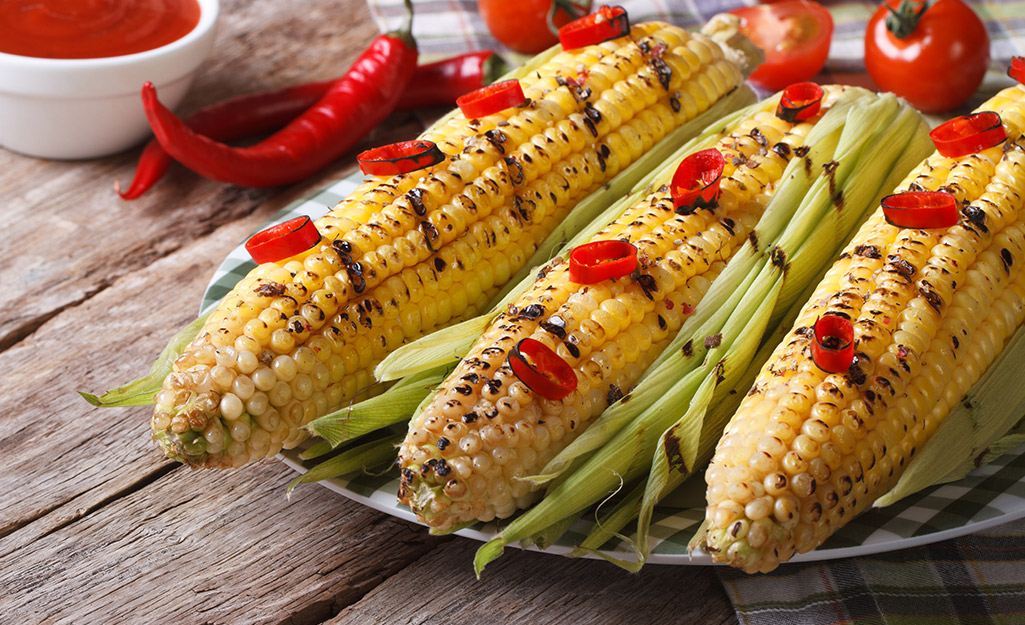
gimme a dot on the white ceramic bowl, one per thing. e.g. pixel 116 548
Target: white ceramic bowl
pixel 86 108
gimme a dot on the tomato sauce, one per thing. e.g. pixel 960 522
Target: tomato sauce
pixel 89 29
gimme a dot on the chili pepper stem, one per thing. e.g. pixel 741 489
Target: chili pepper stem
pixel 405 32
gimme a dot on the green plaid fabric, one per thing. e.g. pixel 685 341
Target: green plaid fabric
pixel 974 579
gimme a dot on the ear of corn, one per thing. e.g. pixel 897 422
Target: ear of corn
pixel 726 329
pixel 931 309
pixel 466 453
pixel 404 255
pixel 985 424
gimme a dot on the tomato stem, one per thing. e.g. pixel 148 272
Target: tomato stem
pixel 903 20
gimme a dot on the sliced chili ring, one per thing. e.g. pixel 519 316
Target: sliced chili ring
pixel 696 181
pixel 1017 69
pixel 969 134
pixel 542 370
pixel 832 349
pixel 400 158
pixel 597 261
pixel 491 99
pixel 799 102
pixel 283 240
pixel 921 209
pixel 604 24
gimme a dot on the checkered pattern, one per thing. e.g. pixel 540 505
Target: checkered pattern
pixel 952 553
pixel 973 579
pixel 453 26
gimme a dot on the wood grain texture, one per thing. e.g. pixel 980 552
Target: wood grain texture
pixel 539 589
pixel 97 527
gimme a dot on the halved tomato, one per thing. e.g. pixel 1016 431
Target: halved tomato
pixel 795 35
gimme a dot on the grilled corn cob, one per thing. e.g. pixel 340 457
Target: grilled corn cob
pixel 808 450
pixel 406 254
pixel 465 453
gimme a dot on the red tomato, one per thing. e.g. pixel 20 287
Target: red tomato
pixel 523 25
pixel 939 64
pixel 795 35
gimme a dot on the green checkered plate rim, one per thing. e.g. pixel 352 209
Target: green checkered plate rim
pixel 991 495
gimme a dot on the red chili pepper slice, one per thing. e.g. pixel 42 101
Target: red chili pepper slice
pixel 696 181
pixel 604 24
pixel 833 347
pixel 969 134
pixel 921 209
pixel 283 240
pixel 491 99
pixel 1017 69
pixel 597 261
pixel 400 158
pixel 799 102
pixel 542 370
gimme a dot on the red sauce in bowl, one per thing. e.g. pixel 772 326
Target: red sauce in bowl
pixel 89 29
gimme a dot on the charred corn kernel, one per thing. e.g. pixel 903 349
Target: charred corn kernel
pixel 931 309
pixel 406 254
pixel 608 332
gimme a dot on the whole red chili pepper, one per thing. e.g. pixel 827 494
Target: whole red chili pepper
pixel 433 84
pixel 352 106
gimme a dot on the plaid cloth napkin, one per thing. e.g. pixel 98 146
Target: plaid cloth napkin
pixel 975 579
pixel 445 27
pixel 970 580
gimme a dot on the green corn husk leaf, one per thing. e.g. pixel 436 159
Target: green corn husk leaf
pixel 316 450
pixel 867 173
pixel 361 457
pixel 985 424
pixel 588 217
pixel 393 406
pixel 142 392
pixel 725 402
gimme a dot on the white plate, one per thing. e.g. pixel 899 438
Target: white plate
pixel 989 496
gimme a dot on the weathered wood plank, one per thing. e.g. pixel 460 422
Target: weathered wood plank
pixel 539 589
pixel 63 456
pixel 200 547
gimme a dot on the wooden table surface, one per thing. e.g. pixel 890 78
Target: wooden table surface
pixel 96 526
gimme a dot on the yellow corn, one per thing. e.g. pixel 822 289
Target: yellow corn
pixel 807 450
pixel 404 255
pixel 484 429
